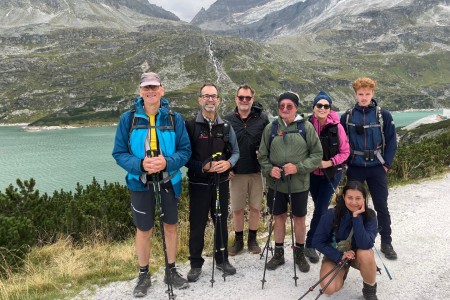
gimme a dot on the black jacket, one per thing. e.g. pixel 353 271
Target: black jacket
pixel 248 135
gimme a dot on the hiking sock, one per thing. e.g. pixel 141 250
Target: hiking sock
pixel 143 269
pixel 172 265
pixel 279 245
pixel 252 232
pixel 239 233
pixel 298 245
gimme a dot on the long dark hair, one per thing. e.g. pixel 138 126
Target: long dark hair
pixel 340 208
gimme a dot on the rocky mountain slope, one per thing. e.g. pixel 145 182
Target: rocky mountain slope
pixel 79 62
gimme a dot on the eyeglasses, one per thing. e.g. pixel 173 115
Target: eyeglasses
pixel 285 106
pixel 150 87
pixel 207 97
pixel 242 98
pixel 320 105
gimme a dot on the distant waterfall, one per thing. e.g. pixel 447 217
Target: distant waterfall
pixel 223 81
pixel 215 63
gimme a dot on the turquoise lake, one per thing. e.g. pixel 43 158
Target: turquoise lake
pixel 58 159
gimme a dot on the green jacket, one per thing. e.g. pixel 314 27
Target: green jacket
pixel 291 148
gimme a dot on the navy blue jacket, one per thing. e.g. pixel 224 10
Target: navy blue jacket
pixel 371 139
pixel 363 233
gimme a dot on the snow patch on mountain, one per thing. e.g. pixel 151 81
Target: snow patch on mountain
pixel 257 13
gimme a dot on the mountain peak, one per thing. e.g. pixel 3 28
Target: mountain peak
pixel 124 15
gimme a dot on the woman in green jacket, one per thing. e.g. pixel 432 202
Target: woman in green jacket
pixel 290 150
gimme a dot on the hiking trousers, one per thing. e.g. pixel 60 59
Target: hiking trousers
pixel 202 202
pixel 376 178
pixel 322 191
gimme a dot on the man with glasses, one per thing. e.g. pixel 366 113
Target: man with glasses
pixel 152 144
pixel 287 158
pixel 373 144
pixel 214 152
pixel 248 121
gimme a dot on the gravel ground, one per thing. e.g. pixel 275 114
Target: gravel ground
pixel 420 236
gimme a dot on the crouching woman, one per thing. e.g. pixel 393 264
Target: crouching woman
pixel 348 231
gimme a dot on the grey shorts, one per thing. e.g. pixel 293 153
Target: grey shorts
pixel 143 205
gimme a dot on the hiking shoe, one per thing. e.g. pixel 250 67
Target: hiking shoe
pixel 227 268
pixel 369 292
pixel 238 245
pixel 311 254
pixel 178 281
pixel 276 260
pixel 388 251
pixel 300 259
pixel 252 244
pixel 143 283
pixel 194 274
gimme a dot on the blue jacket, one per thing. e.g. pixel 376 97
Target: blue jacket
pixel 363 234
pixel 371 138
pixel 130 149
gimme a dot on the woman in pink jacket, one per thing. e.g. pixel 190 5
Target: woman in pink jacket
pixel 326 178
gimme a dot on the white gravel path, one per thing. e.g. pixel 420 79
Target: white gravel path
pixel 420 216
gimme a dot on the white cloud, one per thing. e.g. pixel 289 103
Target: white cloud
pixel 185 10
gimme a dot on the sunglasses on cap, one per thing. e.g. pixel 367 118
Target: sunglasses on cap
pixel 286 106
pixel 242 98
pixel 320 105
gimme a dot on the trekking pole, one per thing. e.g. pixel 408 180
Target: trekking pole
pixel 385 268
pixel 291 217
pixel 322 290
pixel 311 288
pixel 157 192
pixel 267 246
pixel 218 222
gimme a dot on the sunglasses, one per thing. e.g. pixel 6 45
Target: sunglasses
pixel 285 106
pixel 326 106
pixel 242 98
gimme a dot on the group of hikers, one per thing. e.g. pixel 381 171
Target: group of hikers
pixel 230 159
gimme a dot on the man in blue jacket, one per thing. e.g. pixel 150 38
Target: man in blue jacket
pixel 373 144
pixel 152 144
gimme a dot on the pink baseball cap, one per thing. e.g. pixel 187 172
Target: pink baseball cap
pixel 150 79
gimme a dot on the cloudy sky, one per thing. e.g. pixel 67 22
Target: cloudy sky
pixel 185 10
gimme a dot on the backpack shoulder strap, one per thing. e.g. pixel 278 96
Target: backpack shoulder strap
pixel 226 130
pixel 301 129
pixel 132 121
pixel 274 131
pixel 381 121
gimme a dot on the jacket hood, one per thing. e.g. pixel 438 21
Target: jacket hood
pixel 332 118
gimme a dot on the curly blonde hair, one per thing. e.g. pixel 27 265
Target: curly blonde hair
pixel 364 82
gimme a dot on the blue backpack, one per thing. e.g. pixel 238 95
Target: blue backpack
pixel 274 132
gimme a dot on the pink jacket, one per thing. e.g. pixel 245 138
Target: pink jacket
pixel 344 147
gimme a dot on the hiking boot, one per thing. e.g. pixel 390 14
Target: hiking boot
pixel 238 245
pixel 277 259
pixel 388 251
pixel 369 292
pixel 178 281
pixel 252 244
pixel 194 274
pixel 143 283
pixel 300 259
pixel 311 254
pixel 227 268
